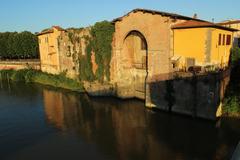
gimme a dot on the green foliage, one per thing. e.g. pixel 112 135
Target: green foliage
pixel 85 68
pixel 15 45
pixel 235 56
pixel 100 42
pixel 6 74
pixel 29 75
pixel 19 76
pixel 71 37
pixel 231 105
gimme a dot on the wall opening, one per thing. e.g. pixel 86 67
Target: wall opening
pixel 135 49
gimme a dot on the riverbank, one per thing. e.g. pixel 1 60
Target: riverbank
pixel 231 104
pixel 34 76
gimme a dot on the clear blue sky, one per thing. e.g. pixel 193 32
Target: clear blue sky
pixel 35 15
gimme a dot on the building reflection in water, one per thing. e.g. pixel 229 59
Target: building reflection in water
pixel 126 130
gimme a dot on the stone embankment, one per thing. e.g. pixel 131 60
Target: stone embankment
pixel 99 89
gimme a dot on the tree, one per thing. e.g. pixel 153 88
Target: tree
pixel 15 45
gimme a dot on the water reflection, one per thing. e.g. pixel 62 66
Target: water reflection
pixel 126 130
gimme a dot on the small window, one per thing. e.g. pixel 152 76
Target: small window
pixel 39 41
pixel 228 40
pixel 224 39
pixel 68 51
pixel 219 39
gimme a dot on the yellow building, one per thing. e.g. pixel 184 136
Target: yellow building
pixel 235 24
pixel 202 44
pixel 48 46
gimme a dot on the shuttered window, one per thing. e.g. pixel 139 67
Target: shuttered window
pixel 219 39
pixel 228 40
pixel 223 39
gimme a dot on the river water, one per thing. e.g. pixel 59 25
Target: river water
pixel 39 122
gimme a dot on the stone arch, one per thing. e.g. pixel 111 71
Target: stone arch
pixel 141 34
pixel 135 55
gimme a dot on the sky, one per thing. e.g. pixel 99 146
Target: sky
pixel 36 15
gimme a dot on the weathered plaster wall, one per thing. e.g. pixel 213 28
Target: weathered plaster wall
pixel 71 46
pixel 49 56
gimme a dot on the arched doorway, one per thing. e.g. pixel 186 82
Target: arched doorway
pixel 135 48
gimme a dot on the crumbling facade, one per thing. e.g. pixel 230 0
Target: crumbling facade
pixel 61 49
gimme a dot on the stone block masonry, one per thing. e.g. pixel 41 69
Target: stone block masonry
pixel 197 96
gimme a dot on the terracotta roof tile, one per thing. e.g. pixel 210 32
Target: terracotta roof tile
pixel 50 30
pixel 229 22
pixel 58 28
pixel 199 24
pixel 174 15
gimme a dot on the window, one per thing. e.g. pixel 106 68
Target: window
pixel 219 39
pixel 39 41
pixel 68 54
pixel 228 40
pixel 224 39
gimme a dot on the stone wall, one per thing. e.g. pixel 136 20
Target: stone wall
pixel 21 64
pixel 72 45
pixel 198 96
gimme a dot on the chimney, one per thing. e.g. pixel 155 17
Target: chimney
pixel 195 16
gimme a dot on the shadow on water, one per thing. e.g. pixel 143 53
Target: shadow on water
pixel 118 129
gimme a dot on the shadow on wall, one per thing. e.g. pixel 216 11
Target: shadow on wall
pixel 198 96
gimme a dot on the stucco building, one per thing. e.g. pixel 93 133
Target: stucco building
pixel 235 24
pixel 201 44
pixel 48 46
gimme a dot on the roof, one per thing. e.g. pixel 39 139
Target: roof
pixel 229 22
pixel 50 30
pixel 200 24
pixel 173 15
pixel 58 28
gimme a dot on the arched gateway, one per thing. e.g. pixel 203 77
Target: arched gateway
pixel 135 48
